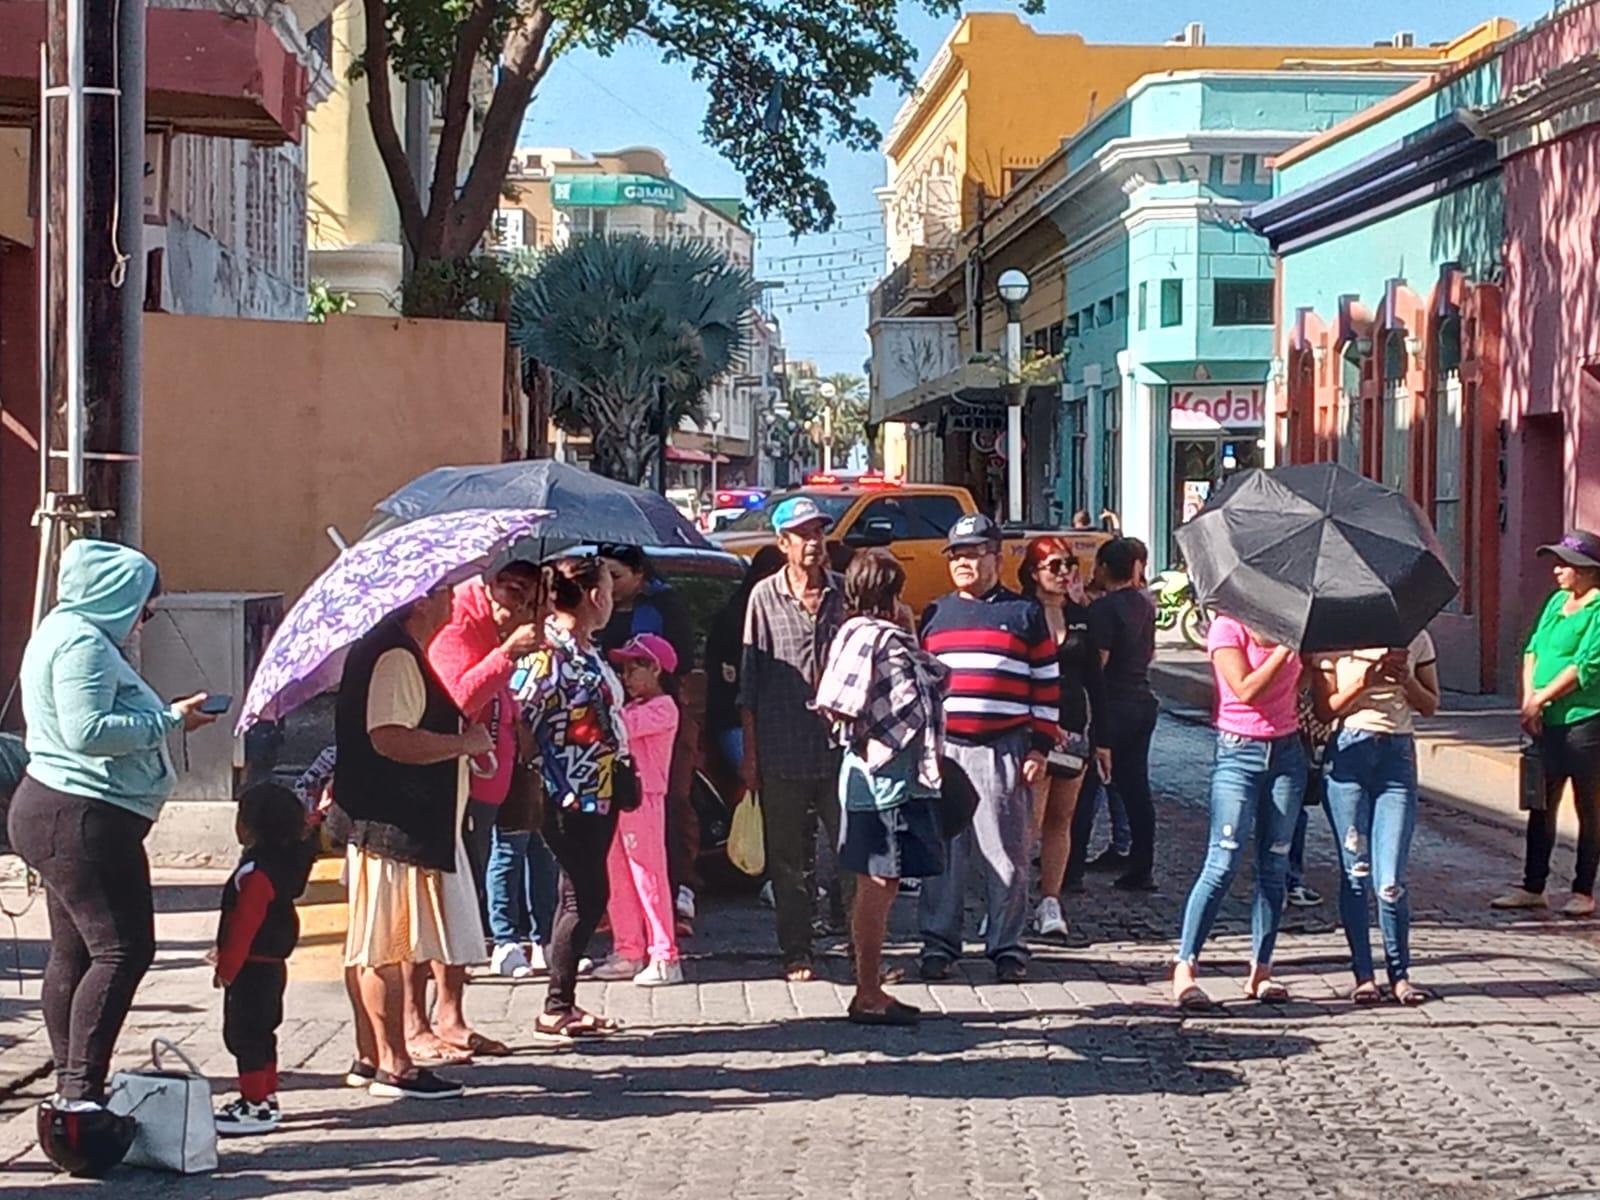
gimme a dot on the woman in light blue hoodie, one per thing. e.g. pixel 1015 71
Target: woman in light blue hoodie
pixel 98 773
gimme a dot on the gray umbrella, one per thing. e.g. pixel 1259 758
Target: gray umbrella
pixel 587 507
pixel 1318 558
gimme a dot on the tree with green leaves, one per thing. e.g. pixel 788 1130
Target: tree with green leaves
pixel 785 79
pixel 850 413
pixel 625 325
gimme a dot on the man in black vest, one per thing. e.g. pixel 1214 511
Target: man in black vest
pixel 397 785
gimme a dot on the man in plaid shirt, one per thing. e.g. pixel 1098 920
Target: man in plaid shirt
pixel 788 756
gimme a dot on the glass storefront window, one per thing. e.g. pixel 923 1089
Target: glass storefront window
pixel 1111 449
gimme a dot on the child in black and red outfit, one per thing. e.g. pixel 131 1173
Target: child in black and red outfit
pixel 258 932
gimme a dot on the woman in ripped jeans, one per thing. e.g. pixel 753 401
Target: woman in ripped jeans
pixel 1257 786
pixel 1372 797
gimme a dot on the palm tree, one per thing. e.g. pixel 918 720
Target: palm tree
pixel 616 319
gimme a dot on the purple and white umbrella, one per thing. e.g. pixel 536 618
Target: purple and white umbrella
pixel 364 585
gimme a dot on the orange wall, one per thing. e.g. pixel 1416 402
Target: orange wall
pixel 260 434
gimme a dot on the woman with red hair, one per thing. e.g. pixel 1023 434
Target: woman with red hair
pixel 1049 574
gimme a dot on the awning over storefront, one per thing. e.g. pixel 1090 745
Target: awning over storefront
pixel 615 191
pixel 975 385
pixel 682 455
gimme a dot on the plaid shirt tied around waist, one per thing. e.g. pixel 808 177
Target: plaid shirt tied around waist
pixel 885 693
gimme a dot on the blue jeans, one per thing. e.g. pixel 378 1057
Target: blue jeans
pixel 522 888
pixel 1256 785
pixel 1372 803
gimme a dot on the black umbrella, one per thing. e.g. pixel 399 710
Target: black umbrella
pixel 1318 558
pixel 587 507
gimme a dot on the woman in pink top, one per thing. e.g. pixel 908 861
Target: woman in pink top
pixel 1258 784
pixel 641 893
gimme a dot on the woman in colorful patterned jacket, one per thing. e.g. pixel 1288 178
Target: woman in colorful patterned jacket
pixel 572 701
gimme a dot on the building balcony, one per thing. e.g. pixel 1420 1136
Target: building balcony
pixel 912 282
pixel 207 72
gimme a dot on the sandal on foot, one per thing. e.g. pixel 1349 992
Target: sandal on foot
pixel 477 1044
pixel 1366 993
pixel 573 1026
pixel 1268 991
pixel 441 1054
pixel 799 972
pixel 1194 999
pixel 1410 995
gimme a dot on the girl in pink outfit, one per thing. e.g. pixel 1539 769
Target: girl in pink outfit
pixel 641 896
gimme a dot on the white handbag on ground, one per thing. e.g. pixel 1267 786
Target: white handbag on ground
pixel 177 1130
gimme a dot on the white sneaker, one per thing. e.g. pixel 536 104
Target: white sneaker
pixel 766 895
pixel 1578 905
pixel 686 903
pixel 616 968
pixel 241 1117
pixel 1048 920
pixel 660 974
pixel 536 961
pixel 510 961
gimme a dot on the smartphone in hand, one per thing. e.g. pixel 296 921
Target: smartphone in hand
pixel 216 704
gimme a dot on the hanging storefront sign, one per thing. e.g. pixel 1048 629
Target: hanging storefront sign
pixel 1225 406
pixel 615 191
pixel 976 420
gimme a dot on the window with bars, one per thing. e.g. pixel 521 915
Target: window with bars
pixel 1111 449
pixel 1397 415
pixel 1350 435
pixel 1449 425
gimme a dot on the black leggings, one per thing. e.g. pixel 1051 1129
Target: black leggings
pixel 90 855
pixel 1127 734
pixel 580 843
pixel 1570 752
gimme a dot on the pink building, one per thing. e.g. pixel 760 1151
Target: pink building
pixel 1546 126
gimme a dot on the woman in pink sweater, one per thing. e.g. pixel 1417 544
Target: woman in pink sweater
pixel 644 940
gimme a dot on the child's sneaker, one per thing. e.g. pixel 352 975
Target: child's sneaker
pixel 685 903
pixel 509 961
pixel 616 969
pixel 241 1117
pixel 660 974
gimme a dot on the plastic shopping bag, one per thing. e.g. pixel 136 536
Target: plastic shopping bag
pixel 747 847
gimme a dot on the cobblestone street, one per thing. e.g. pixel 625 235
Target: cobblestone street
pixel 1082 1082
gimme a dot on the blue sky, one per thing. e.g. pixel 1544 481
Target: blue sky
pixel 593 103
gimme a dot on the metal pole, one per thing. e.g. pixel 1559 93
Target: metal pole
pixel 1014 416
pixel 74 220
pixel 661 438
pixel 44 278
pixel 130 242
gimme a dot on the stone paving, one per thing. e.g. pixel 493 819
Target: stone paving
pixel 1082 1082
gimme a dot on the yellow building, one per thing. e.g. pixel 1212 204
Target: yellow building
pixel 999 100
pixel 353 222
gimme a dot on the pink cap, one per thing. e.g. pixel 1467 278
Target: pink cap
pixel 650 646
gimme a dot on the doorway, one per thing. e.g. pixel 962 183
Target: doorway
pixel 1201 463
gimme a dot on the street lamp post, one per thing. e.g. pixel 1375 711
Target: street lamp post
pixel 714 419
pixel 828 393
pixel 1013 287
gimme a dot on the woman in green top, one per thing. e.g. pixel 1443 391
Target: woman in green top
pixel 1561 710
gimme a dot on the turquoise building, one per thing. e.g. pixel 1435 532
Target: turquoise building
pixel 1171 297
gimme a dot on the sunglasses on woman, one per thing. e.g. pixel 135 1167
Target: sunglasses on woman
pixel 1059 566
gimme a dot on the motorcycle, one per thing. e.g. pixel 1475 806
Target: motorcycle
pixel 1177 607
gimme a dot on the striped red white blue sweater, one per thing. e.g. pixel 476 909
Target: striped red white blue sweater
pixel 1004 675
